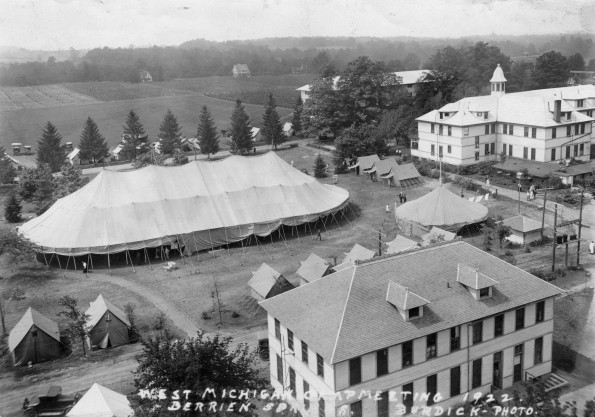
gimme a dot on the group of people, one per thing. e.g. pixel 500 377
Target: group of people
pixel 402 197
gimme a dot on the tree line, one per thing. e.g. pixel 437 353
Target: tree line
pixel 202 58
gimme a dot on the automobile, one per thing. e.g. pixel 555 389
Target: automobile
pixel 52 403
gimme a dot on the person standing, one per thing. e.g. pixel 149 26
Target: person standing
pixel 167 252
pixel 85 269
pixel 404 198
pixel 318 235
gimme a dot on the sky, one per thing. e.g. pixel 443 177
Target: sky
pixel 86 24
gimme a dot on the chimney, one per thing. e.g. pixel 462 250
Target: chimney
pixel 557 110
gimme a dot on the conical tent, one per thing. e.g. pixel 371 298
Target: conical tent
pixel 100 401
pixel 203 204
pixel 440 208
pixel 108 325
pixel 35 338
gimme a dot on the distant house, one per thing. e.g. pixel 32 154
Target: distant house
pixel 256 136
pixel 74 157
pixel 241 71
pixel 117 152
pixel 21 162
pixel 145 77
pixel 288 129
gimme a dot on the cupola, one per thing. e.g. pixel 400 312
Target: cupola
pixel 498 82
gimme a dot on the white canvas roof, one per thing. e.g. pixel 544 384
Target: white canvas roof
pixel 216 202
pixel 358 253
pixel 100 401
pixel 30 318
pixel 98 308
pixel 400 244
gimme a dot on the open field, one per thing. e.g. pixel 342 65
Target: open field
pixel 26 126
pixel 42 96
pixel 119 90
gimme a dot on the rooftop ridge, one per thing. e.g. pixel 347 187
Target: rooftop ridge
pixel 343 315
pixel 406 252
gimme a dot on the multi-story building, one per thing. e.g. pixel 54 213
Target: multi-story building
pixel 450 319
pixel 538 125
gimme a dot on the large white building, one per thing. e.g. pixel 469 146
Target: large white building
pixel 450 319
pixel 538 125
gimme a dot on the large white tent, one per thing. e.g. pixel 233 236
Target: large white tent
pixel 100 401
pixel 202 205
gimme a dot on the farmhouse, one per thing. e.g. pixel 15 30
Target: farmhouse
pixel 145 77
pixel 389 327
pixel 241 71
pixel 523 229
pixel 540 125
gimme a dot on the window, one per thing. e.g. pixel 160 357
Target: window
pixel 292 381
pixel 493 127
pixel 505 129
pixel 431 388
pixel 484 292
pixel 382 362
pixel 304 352
pixel 466 130
pixel 499 325
pixel 539 311
pixel 477 141
pixel 432 150
pixel 486 148
pixel 533 132
pixel 290 340
pixel 487 129
pixel 576 129
pixel 407 353
pixel 580 103
pixel 554 133
pixel 442 115
pixel 413 312
pixel 440 129
pixel 538 350
pixel 519 318
pixel 477 156
pixel 382 405
pixel 431 346
pixel 533 154
pixel 455 381
pixel 568 151
pixel 504 148
pixel 449 130
pixel 455 338
pixel 581 151
pixel 449 149
pixel 356 409
pixel 576 150
pixel 583 128
pixel 476 380
pixel 553 152
pixel 355 371
pixel 477 332
pixel 525 152
pixel 321 405
pixel 568 116
pixel 440 151
pixel 509 150
pixel 511 129
pixel 492 148
pixel 306 396
pixel 568 130
pixel 485 115
pixel 526 132
pixel 446 114
pixel 280 370
pixel 319 365
pixel 432 129
pixel 277 330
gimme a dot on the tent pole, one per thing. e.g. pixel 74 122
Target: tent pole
pixel 324 225
pixel 46 259
pixel 179 250
pixel 67 261
pixel 242 243
pixel 195 247
pixel 335 219
pixel 148 257
pixel 74 262
pixel 128 254
pixel 226 240
pixel 310 229
pixel 212 248
pixel 296 231
pixel 59 263
pixel 109 266
pixel 285 241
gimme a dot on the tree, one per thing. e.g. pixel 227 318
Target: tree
pixel 296 117
pixel 68 181
pixel 131 316
pixel 272 129
pixel 196 364
pixel 319 167
pixel 92 146
pixel 551 70
pixel 77 326
pixel 207 133
pixel 358 141
pixel 241 135
pixel 576 62
pixel 43 197
pixel 149 158
pixel 320 113
pixel 502 231
pixel 169 134
pixel 49 150
pixel 134 138
pixel 12 209
pixel 7 171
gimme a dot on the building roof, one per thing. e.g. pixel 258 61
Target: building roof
pixel 522 224
pixel 400 244
pixel 498 76
pixel 472 278
pixel 578 169
pixel 100 401
pixel 241 68
pixel 32 318
pixel 366 162
pixel 264 279
pixel 254 131
pixel 26 161
pixel 404 172
pixel 402 298
pixel 287 126
pixel 99 307
pixel 358 253
pixel 359 320
pixel 312 268
pixel 73 154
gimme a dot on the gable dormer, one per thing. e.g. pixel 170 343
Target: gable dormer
pixel 409 304
pixel 479 285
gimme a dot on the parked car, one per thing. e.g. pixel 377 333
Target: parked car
pixel 52 403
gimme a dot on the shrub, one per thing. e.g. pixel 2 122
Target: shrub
pixel 320 167
pixel 12 209
pixel 205 316
pixel 527 249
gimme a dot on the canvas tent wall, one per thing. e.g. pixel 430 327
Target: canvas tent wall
pixel 405 175
pixel 363 163
pixel 266 283
pixel 100 401
pixel 108 325
pixel 35 338
pixel 380 168
pixel 441 208
pixel 357 253
pixel 437 234
pixel 400 244
pixel 313 268
pixel 206 204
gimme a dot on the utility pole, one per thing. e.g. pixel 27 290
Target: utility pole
pixel 543 214
pixel 555 237
pixel 519 188
pixel 580 224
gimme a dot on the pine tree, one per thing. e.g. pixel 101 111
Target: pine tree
pixel 272 129
pixel 92 146
pixel 319 167
pixel 49 150
pixel 7 171
pixel 12 209
pixel 134 138
pixel 296 120
pixel 169 134
pixel 207 133
pixel 241 136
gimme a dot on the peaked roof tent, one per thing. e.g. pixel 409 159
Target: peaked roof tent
pixel 472 278
pixel 402 298
pixel 266 279
pixel 382 166
pixel 312 268
pixel 99 307
pixel 366 162
pixel 100 401
pixel 358 253
pixel 32 317
pixel 400 244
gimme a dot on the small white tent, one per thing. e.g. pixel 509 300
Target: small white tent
pixel 100 401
